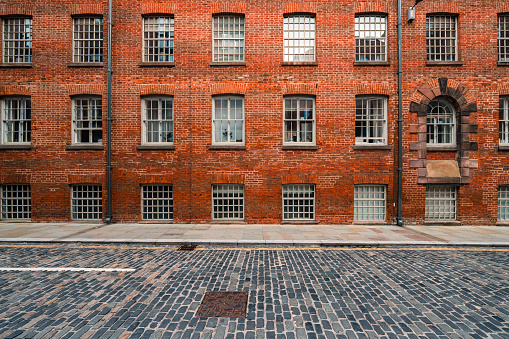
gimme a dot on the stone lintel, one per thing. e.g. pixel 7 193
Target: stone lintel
pixel 442 83
pixel 417 163
pixel 442 169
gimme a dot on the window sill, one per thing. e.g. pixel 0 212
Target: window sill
pixel 155 147
pixel 503 63
pixel 442 148
pixel 442 223
pixel 15 147
pixel 371 63
pixel 374 147
pixel 299 222
pixel 227 63
pixel 503 148
pixel 16 65
pixel 84 147
pixel 300 147
pixel 157 64
pixel 227 147
pixel 444 63
pixel 299 63
pixel 85 64
pixel 502 223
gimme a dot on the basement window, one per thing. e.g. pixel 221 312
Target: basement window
pixel 299 202
pixel 16 201
pixel 503 203
pixel 228 201
pixel 86 202
pixel 369 203
pixel 157 202
pixel 440 203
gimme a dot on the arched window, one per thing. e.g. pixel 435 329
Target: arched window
pixel 441 122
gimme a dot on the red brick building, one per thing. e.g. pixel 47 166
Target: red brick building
pixel 255 111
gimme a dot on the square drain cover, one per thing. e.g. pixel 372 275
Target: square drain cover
pixel 187 248
pixel 223 304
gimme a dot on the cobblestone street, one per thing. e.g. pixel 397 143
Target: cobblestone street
pixel 294 293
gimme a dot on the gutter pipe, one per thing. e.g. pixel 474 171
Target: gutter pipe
pixel 399 221
pixel 108 151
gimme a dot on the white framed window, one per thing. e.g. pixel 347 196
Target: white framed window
pixel 158 39
pixel 17 40
pixel 228 120
pixel 86 202
pixel 442 38
pixel 87 39
pixel 157 123
pixel 299 120
pixel 503 37
pixel 370 37
pixel 16 201
pixel 369 202
pixel 228 201
pixel 503 203
pixel 157 202
pixel 228 38
pixel 87 120
pixel 299 202
pixel 370 120
pixel 440 203
pixel 503 121
pixel 441 123
pixel 299 41
pixel 16 120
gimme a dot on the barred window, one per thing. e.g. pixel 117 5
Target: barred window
pixel 17 40
pixel 86 202
pixel 16 201
pixel 299 202
pixel 441 38
pixel 88 39
pixel 503 121
pixel 87 120
pixel 228 120
pixel 441 122
pixel 370 37
pixel 370 120
pixel 503 203
pixel 440 203
pixel 299 120
pixel 228 31
pixel 158 39
pixel 16 120
pixel 157 202
pixel 503 37
pixel 299 38
pixel 227 201
pixel 369 202
pixel 157 116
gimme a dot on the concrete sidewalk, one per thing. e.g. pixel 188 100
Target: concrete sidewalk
pixel 246 234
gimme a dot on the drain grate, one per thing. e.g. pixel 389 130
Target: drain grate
pixel 187 248
pixel 223 304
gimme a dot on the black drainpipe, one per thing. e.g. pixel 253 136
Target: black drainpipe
pixel 399 221
pixel 108 149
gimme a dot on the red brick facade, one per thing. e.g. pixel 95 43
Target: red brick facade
pixel 334 166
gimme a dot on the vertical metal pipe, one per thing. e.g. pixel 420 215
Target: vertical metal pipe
pixel 400 119
pixel 108 151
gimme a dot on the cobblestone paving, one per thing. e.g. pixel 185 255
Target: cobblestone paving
pixel 293 293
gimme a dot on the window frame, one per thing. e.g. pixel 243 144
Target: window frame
pixel 370 122
pixel 22 122
pixel 430 209
pixel 5 55
pixel 436 125
pixel 288 56
pixel 241 40
pixel 298 131
pixel 374 15
pixel 144 120
pixel 503 121
pixel 99 205
pixel 235 188
pixel 159 202
pixel 442 16
pixel 74 137
pixel 25 188
pixel 75 42
pixel 378 217
pixel 285 200
pixel 229 120
pixel 171 39
pixel 503 56
pixel 503 196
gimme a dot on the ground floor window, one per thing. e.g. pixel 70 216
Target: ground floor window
pixel 299 202
pixel 86 202
pixel 369 202
pixel 503 203
pixel 228 201
pixel 440 203
pixel 16 201
pixel 157 202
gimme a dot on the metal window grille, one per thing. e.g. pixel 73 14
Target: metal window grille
pixel 157 202
pixel 369 202
pixel 441 122
pixel 16 201
pixel 299 120
pixel 86 202
pixel 440 203
pixel 87 120
pixel 228 201
pixel 503 37
pixel 17 41
pixel 16 120
pixel 228 32
pixel 370 38
pixel 158 35
pixel 503 203
pixel 503 121
pixel 158 120
pixel 88 39
pixel 228 120
pixel 441 38
pixel 298 202
pixel 371 121
pixel 299 38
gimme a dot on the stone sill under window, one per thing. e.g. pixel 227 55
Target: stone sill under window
pixel 155 147
pixel 299 147
pixel 503 63
pixel 442 148
pixel 502 223
pixel 227 147
pixel 503 148
pixel 374 147
pixel 15 147
pixel 444 63
pixel 157 64
pixel 442 223
pixel 85 64
pixel 84 147
pixel 371 63
pixel 16 65
pixel 227 63
pixel 299 222
pixel 299 63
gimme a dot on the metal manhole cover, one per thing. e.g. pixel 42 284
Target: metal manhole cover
pixel 187 248
pixel 223 304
